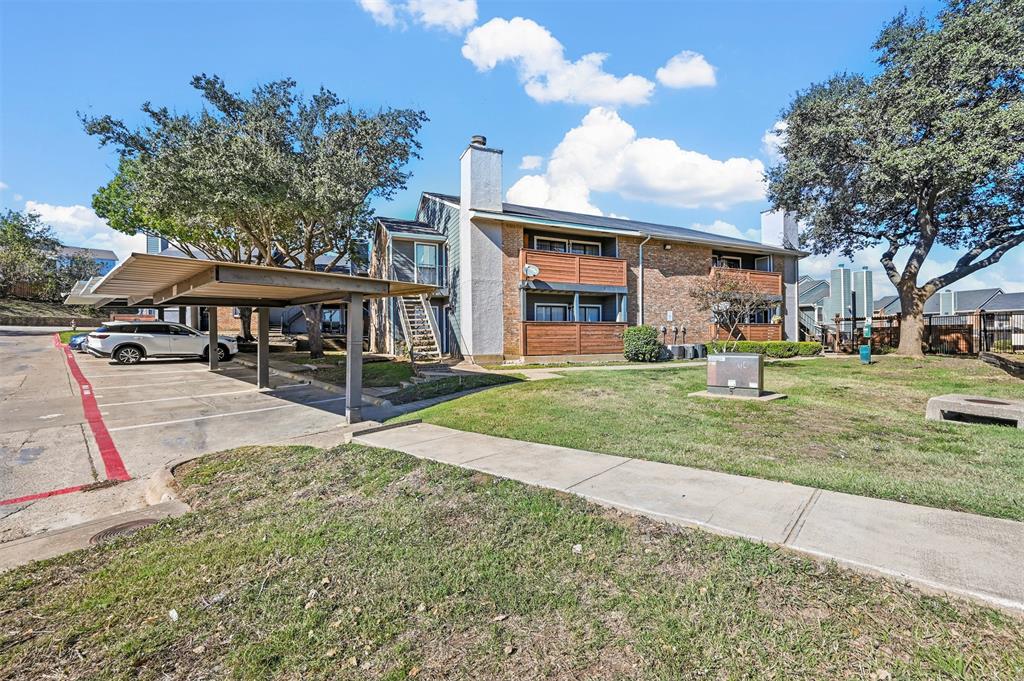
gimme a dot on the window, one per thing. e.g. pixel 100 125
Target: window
pixel 426 264
pixel 550 312
pixel 542 243
pixel 590 313
pixel 763 263
pixel 156 329
pixel 179 331
pixel 556 245
pixel 730 261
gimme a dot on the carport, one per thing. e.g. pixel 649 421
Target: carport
pixel 144 280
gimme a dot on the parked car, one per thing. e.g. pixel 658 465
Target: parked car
pixel 77 342
pixel 131 342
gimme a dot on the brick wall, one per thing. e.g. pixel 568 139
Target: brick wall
pixel 511 244
pixel 668 275
pixel 226 321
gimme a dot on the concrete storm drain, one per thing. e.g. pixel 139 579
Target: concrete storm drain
pixel 122 530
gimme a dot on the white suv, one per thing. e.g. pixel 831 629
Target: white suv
pixel 130 342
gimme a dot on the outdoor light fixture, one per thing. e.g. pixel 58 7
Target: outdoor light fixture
pixel 667 247
pixel 531 270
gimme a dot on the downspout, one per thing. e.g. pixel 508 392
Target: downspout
pixel 640 285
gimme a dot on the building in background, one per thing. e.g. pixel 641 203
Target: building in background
pixel 520 281
pixel 107 260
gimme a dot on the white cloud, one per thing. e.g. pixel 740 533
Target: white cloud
pixel 772 140
pixel 382 11
pixel 686 69
pixel 80 226
pixel 723 228
pixel 531 162
pixel 604 154
pixel 451 15
pixel 546 74
pixel 3 186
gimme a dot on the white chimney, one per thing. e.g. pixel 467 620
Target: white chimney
pixel 479 290
pixel 779 228
pixel 481 176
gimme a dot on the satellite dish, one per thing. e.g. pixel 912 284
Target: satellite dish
pixel 531 270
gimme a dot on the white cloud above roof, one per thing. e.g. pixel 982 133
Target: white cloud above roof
pixel 604 154
pixel 686 69
pixel 531 162
pixel 382 11
pixel 78 225
pixel 546 74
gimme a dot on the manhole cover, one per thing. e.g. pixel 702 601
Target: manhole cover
pixel 121 530
pixel 978 400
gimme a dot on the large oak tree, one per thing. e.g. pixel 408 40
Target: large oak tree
pixel 271 177
pixel 928 151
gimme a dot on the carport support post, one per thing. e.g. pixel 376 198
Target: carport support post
pixel 354 360
pixel 263 348
pixel 214 339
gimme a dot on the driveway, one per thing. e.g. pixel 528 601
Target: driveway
pixel 74 421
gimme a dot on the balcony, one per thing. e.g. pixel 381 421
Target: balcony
pixel 570 268
pixel 769 283
pixel 571 338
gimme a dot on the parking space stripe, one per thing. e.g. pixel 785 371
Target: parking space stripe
pixel 231 413
pixel 112 462
pixel 41 495
pixel 165 373
pixel 151 385
pixel 167 399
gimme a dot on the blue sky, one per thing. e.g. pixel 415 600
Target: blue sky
pixel 683 145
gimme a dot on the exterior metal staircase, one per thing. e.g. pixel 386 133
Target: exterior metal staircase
pixel 809 325
pixel 420 329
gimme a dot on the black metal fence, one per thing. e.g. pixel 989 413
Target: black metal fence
pixel 966 334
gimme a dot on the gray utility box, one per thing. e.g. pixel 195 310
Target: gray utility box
pixel 736 373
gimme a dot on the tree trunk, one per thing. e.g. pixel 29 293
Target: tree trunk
pixel 314 319
pixel 245 321
pixel 912 322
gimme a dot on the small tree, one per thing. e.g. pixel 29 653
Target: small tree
pixel 28 252
pixel 929 151
pixel 729 301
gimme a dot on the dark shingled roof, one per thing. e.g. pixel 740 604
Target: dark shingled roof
pixel 1006 302
pixel 604 222
pixel 813 291
pixel 888 304
pixel 101 253
pixel 965 301
pixel 408 227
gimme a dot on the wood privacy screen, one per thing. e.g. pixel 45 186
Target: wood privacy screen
pixel 569 268
pixel 751 332
pixel 769 283
pixel 571 338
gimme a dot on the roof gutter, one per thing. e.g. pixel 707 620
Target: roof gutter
pixel 640 285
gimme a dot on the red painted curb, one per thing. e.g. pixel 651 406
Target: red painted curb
pixel 108 452
pixel 41 495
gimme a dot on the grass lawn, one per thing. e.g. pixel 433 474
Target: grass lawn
pixel 449 385
pixel 300 563
pixel 65 336
pixel 564 365
pixel 845 427
pixel 331 368
pixel 16 307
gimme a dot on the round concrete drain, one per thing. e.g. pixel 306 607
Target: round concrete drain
pixel 121 530
pixel 978 400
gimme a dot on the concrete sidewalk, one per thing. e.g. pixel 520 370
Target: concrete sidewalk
pixel 937 550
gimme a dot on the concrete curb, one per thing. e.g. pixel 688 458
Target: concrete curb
pixel 316 383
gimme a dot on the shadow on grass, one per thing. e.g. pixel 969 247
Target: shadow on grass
pixel 451 386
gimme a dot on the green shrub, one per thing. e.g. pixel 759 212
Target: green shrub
pixel 1002 345
pixel 775 349
pixel 641 344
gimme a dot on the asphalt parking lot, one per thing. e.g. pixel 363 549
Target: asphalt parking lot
pixel 142 417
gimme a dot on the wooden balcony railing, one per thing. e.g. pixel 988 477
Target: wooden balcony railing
pixel 769 283
pixel 570 268
pixel 750 332
pixel 571 338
